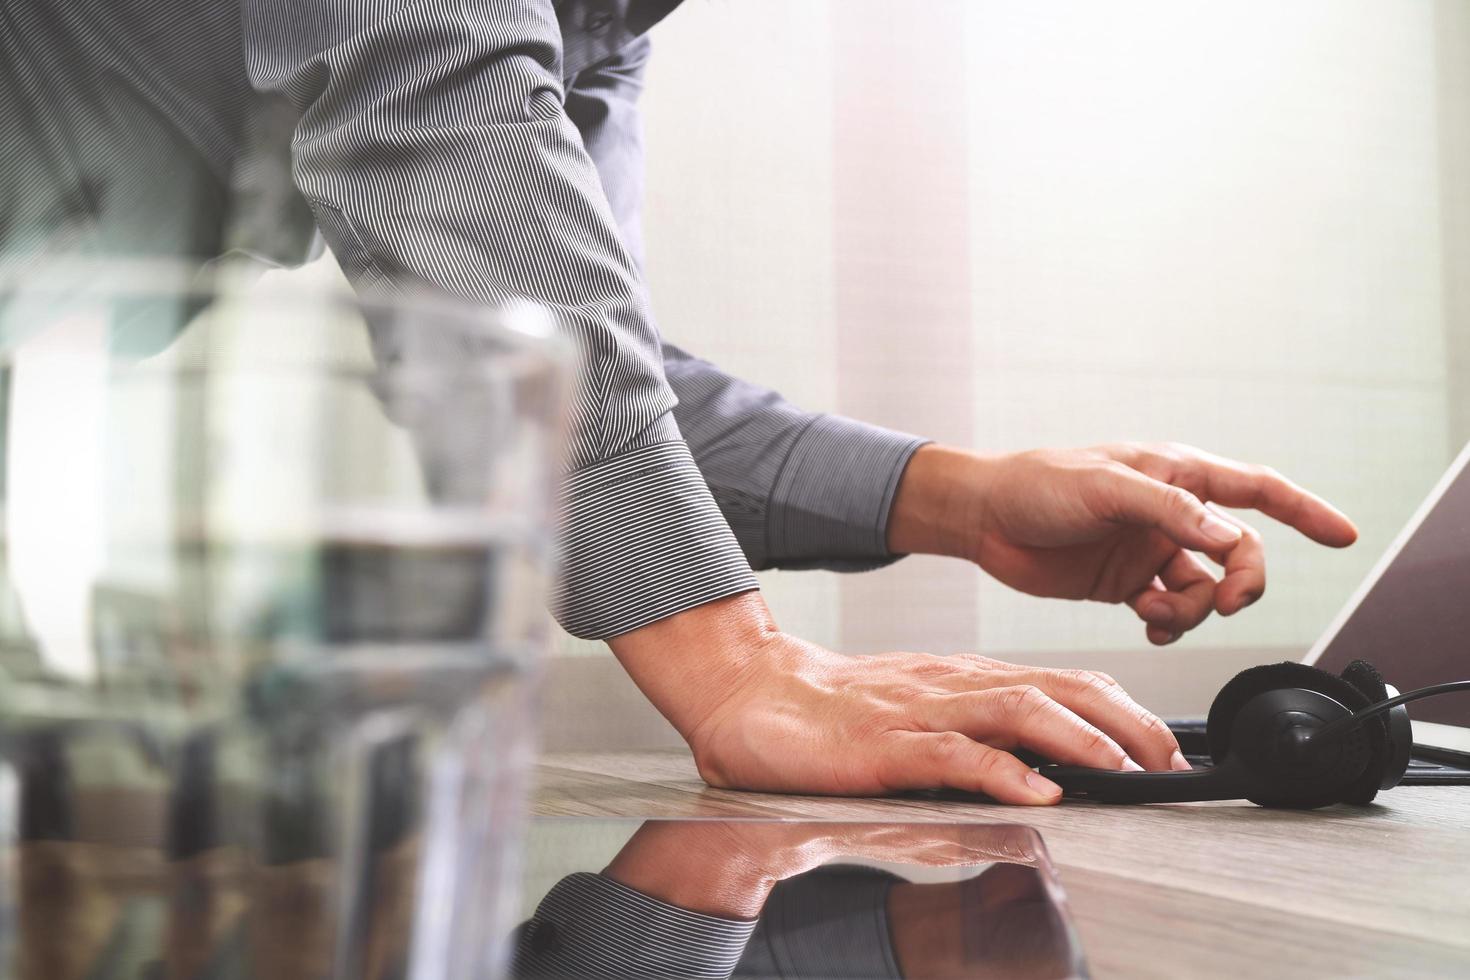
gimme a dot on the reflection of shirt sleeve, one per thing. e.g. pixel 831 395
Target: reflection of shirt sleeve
pixel 831 922
pixel 433 147
pixel 591 926
pixel 799 489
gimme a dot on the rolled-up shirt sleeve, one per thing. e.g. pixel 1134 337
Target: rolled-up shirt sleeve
pixel 433 148
pixel 800 489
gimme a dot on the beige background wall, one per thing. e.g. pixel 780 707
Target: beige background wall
pixel 1011 225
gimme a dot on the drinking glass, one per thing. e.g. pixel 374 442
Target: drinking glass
pixel 272 580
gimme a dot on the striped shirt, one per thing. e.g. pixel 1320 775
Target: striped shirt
pixel 829 922
pixel 489 148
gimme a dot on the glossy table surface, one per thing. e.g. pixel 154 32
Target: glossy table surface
pixel 1211 889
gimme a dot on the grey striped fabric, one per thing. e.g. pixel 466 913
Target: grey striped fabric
pixel 441 144
pixel 591 926
pixel 831 922
pixel 799 490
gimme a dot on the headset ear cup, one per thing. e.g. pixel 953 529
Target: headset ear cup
pixel 1258 680
pixel 1365 677
pixel 1268 677
pixel 1397 732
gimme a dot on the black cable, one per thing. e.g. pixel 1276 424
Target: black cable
pixel 1342 724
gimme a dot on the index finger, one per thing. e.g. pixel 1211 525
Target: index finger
pixel 949 760
pixel 1140 732
pixel 1236 484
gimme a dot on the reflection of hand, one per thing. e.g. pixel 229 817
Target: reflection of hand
pixel 763 710
pixel 727 868
pixel 1114 523
pixel 1001 923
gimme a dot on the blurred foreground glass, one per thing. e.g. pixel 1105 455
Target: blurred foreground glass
pixel 272 603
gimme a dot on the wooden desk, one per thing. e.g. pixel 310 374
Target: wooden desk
pixel 1197 890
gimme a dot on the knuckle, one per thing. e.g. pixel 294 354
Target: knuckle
pixel 1167 456
pixel 989 764
pixel 1154 726
pixel 1022 702
pixel 932 668
pixel 1087 681
pixel 1099 488
pixel 925 711
pixel 1094 742
pixel 1125 453
pixel 1179 501
pixel 982 661
pixel 1196 612
pixel 947 748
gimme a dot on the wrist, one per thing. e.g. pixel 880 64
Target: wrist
pixel 694 866
pixel 688 664
pixel 939 507
pixel 719 867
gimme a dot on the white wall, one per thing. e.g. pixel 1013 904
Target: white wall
pixel 1218 224
pixel 1211 223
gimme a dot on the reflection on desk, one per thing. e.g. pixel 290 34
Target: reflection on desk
pixel 777 899
pixel 1223 889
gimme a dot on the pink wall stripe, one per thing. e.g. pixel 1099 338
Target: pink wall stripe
pixel 904 336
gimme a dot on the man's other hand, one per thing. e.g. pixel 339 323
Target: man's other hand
pixel 763 710
pixel 1123 523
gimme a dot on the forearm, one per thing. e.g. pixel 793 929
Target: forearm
pixel 686 664
pixel 434 150
pixel 939 505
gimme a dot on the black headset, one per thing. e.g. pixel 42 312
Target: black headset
pixel 1282 735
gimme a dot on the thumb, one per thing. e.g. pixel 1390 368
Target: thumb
pixel 1128 497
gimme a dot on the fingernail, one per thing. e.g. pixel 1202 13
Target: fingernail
pixel 1250 597
pixel 1043 787
pixel 1218 530
pixel 1178 762
pixel 1130 766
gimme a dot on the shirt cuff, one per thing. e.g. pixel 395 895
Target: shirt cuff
pixel 642 539
pixel 829 506
pixel 591 926
pixel 830 922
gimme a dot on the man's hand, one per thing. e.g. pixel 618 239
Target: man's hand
pixel 1122 523
pixel 763 710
